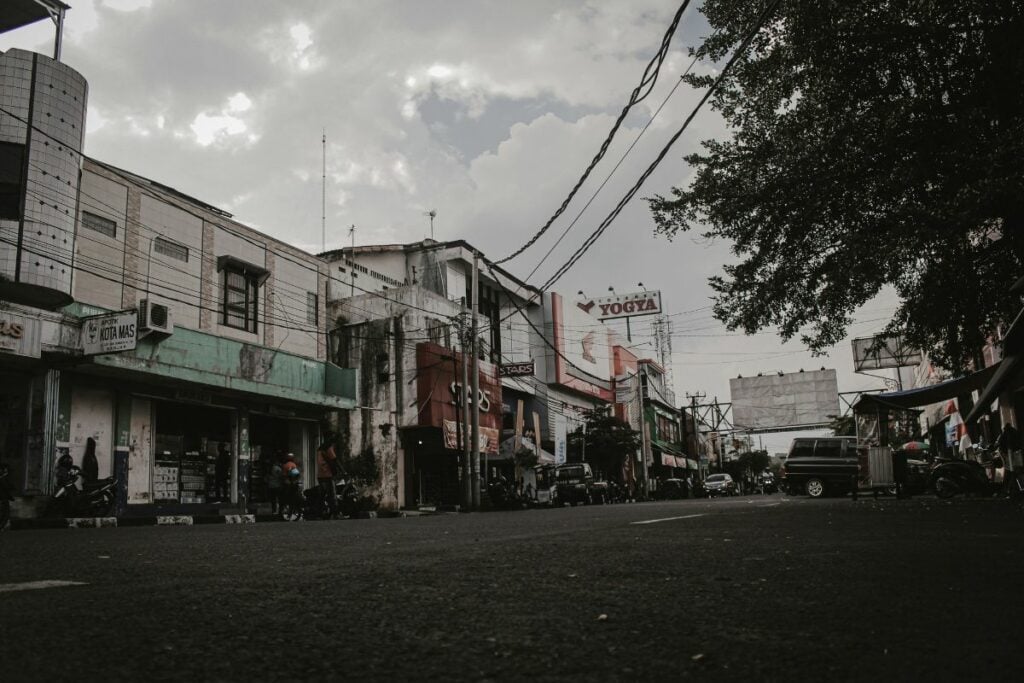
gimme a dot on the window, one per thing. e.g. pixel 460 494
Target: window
pixel 312 308
pixel 170 249
pixel 99 224
pixel 438 332
pixel 828 448
pixel 802 448
pixel 241 296
pixel 12 157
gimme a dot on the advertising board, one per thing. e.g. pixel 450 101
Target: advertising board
pixel 778 401
pixel 584 362
pixel 881 353
pixel 438 393
pixel 622 305
pixel 109 333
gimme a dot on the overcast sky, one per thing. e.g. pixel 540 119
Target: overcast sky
pixel 486 112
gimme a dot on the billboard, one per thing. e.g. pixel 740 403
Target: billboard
pixel 438 392
pixel 881 353
pixel 784 400
pixel 622 305
pixel 584 362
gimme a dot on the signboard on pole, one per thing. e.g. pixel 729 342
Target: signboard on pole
pixel 623 305
pixel 561 439
pixel 525 369
pixel 110 333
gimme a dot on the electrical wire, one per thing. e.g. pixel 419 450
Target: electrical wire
pixel 642 90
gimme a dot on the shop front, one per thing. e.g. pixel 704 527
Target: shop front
pixel 433 448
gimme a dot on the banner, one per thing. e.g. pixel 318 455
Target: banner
pixel 561 439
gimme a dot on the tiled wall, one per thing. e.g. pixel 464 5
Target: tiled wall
pixel 44 104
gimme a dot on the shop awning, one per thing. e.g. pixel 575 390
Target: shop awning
pixel 508 450
pixel 666 447
pixel 18 13
pixel 1010 372
pixel 924 396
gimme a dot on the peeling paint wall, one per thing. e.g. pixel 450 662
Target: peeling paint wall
pixel 92 415
pixel 140 451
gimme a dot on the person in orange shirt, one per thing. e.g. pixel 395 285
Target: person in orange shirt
pixel 327 467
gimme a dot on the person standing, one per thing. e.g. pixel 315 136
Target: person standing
pixel 222 471
pixel 291 494
pixel 90 466
pixel 275 483
pixel 326 469
pixel 1009 446
pixel 899 473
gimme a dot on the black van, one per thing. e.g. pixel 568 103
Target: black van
pixel 817 466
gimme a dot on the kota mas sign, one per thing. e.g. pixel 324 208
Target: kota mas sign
pixel 109 333
pixel 623 305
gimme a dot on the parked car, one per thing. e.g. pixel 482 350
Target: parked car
pixel 575 482
pixel 719 485
pixel 822 466
pixel 673 489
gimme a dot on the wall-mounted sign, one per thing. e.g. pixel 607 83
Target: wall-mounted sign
pixel 517 369
pixel 623 305
pixel 438 393
pixel 19 334
pixel 110 333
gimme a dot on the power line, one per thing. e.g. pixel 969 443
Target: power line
pixel 590 241
pixel 647 81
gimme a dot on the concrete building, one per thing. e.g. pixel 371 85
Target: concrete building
pixel 396 312
pixel 190 347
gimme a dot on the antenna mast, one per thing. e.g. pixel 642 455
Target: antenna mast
pixel 323 196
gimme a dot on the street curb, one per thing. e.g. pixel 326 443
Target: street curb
pixel 176 520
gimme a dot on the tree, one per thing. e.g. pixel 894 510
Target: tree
pixel 843 425
pixel 872 145
pixel 609 441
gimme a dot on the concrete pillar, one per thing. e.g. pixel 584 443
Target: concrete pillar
pixel 243 461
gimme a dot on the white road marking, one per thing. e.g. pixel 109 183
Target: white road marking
pixel 769 505
pixel 667 519
pixel 37 585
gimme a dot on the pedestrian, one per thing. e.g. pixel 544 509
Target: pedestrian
pixel 291 504
pixel 327 468
pixel 899 473
pixel 222 470
pixel 90 466
pixel 275 483
pixel 1009 446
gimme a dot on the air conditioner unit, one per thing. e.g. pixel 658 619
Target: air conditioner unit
pixel 155 317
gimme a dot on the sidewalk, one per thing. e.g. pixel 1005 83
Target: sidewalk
pixel 178 520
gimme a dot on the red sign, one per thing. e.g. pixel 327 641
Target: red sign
pixel 438 392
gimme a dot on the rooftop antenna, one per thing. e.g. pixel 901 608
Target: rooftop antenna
pixel 352 257
pixel 433 214
pixel 323 197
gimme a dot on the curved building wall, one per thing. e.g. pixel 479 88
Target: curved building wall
pixel 42 126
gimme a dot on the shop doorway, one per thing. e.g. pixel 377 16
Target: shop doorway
pixel 193 453
pixel 269 438
pixel 15 426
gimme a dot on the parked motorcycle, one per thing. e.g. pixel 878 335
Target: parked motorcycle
pixel 74 498
pixel 952 477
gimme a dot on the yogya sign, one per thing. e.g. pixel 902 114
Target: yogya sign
pixel 623 305
pixel 109 333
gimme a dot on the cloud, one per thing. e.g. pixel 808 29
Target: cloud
pixel 221 127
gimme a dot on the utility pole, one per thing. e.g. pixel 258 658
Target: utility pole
pixel 467 482
pixel 475 379
pixel 696 430
pixel 645 435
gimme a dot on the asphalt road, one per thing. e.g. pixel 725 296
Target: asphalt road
pixel 768 587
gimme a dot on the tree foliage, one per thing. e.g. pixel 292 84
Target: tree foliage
pixel 872 145
pixel 609 441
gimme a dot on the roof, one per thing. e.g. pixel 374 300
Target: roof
pixel 18 13
pixel 424 245
pixel 924 396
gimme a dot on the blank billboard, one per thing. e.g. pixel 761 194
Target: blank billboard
pixel 781 401
pixel 880 353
